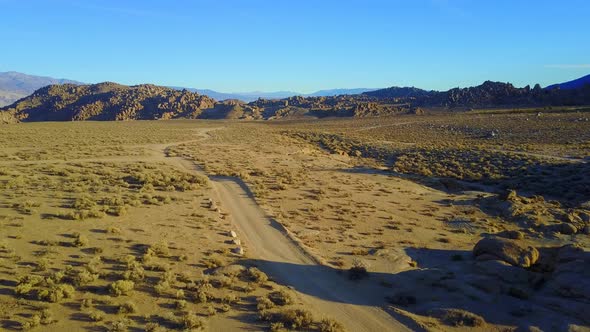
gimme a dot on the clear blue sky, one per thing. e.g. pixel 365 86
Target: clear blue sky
pixel 303 45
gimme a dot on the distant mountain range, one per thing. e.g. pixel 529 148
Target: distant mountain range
pixel 14 85
pixel 575 84
pixel 252 96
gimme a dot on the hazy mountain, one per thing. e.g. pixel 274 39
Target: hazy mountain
pixel 14 85
pixel 337 92
pixel 252 96
pixel 575 84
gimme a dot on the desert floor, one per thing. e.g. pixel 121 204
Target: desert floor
pixel 328 225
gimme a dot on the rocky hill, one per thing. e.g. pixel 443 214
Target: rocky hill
pixel 488 94
pixel 111 101
pixel 108 101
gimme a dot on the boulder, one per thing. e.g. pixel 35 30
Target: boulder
pixel 503 271
pixel 566 228
pixel 514 235
pixel 232 234
pixel 509 251
pixel 238 251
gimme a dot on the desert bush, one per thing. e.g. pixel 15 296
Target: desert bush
pixel 31 323
pixel 56 293
pixel 119 326
pixel 281 297
pixel 118 210
pixel 202 296
pixel 80 240
pixel 96 316
pixel 330 325
pixel 26 284
pixel 41 265
pixel 127 308
pixel 162 288
pixel 180 304
pixel 458 317
pixel 358 270
pixel 26 207
pixel 213 262
pixel 81 277
pixel 210 310
pixel 121 287
pixel 86 304
pixel 296 318
pixel 160 249
pixel 47 317
pixel 135 272
pixel 264 303
pixel 154 327
pixel 230 299
pixel 190 321
pixel 256 275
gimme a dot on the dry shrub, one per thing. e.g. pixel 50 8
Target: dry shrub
pixel 121 287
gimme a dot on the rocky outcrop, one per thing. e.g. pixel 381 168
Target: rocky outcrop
pixel 505 250
pixel 108 101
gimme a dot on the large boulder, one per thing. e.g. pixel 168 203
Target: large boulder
pixel 509 251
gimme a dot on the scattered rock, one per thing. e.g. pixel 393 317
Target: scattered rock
pixel 510 251
pixel 514 235
pixel 565 228
pixel 238 251
pixel 510 196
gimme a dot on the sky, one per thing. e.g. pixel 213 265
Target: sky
pixel 298 45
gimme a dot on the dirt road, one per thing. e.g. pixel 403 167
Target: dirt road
pixel 355 304
pixel 328 292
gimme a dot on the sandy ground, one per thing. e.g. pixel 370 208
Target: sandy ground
pixel 304 215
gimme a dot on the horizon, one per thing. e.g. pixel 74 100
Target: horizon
pixel 351 44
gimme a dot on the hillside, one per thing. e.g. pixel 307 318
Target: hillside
pixel 488 94
pixel 574 84
pixel 107 101
pixel 14 86
pixel 111 101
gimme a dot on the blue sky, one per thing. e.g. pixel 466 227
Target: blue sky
pixel 303 45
